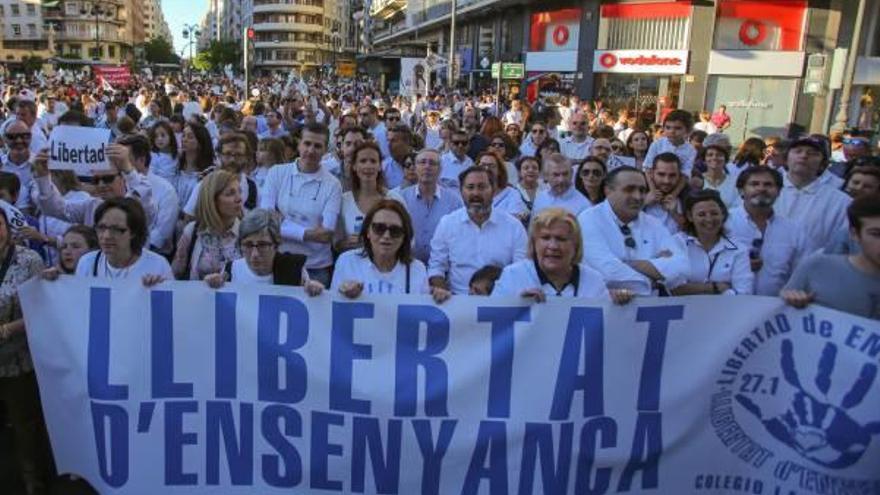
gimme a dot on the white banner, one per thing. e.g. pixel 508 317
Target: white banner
pixel 413 74
pixel 262 390
pixel 641 61
pixel 81 149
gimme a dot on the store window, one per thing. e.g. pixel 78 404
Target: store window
pixel 644 26
pixel 761 25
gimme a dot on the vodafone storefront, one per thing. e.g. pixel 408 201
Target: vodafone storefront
pixel 642 57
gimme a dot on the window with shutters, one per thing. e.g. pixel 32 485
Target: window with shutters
pixel 645 26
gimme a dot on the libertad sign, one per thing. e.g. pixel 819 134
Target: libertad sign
pixel 641 61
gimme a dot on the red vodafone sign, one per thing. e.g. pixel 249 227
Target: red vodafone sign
pixel 641 61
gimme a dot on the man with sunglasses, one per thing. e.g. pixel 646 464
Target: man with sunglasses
pixel 122 180
pixel 631 249
pixel 576 146
pixel 776 243
pixel 26 111
pixel 17 137
pixel 455 161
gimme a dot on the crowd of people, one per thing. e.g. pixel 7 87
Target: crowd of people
pixel 336 187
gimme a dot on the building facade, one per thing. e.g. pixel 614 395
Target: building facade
pixel 95 31
pixel 23 31
pixel 305 35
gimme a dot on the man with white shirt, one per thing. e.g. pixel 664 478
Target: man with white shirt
pixel 48 112
pixel 369 120
pixel 161 239
pixel 474 236
pixel 601 149
pixel 236 156
pixel 455 161
pixel 775 243
pixel 819 208
pixel 577 146
pixel 562 193
pixel 26 111
pixel 665 200
pixel 308 199
pixel 427 202
pixel 17 137
pixel 630 248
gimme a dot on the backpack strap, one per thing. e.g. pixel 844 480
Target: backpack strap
pixel 251 202
pixel 407 276
pixel 95 264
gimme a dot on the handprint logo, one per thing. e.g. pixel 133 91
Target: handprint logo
pixel 819 430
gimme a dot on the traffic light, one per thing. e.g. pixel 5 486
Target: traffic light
pixel 250 34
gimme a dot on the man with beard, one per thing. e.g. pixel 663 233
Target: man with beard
pixel 474 236
pixel 577 146
pixel 18 140
pixel 776 243
pixel 664 201
pixel 562 193
pixel 631 249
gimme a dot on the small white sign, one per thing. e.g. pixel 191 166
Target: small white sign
pixel 81 149
pixel 641 61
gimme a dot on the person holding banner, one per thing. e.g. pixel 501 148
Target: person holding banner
pixel 259 235
pixel 211 241
pixel 718 264
pixel 385 264
pixel 18 383
pixel 554 266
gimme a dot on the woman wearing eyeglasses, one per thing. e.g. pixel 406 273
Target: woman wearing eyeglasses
pixel 718 264
pixel 259 235
pixel 367 189
pixel 209 242
pixel 384 265
pixel 590 174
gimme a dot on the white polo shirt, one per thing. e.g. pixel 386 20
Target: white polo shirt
pixel 571 200
pixel 574 150
pixel 819 208
pixel 685 152
pixel 460 247
pixel 451 167
pixel 522 275
pixel 727 261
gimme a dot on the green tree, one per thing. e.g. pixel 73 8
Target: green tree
pixel 160 51
pixel 32 63
pixel 218 55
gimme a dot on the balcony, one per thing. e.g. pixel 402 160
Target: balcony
pixel 289 26
pixel 113 38
pixel 385 9
pixel 299 45
pixel 290 7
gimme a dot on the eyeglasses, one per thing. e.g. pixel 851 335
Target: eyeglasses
pixel 855 140
pixel 497 145
pixel 110 229
pixel 362 115
pixel 538 131
pixel 427 161
pixel 379 229
pixel 12 136
pixel 596 172
pixel 617 149
pixel 460 143
pixel 103 180
pixel 261 246
pixel 392 119
pixel 628 240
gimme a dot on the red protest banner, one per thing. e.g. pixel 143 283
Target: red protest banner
pixel 116 76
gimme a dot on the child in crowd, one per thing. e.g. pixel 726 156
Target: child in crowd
pixel 483 280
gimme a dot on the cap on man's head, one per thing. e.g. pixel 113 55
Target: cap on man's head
pixel 814 143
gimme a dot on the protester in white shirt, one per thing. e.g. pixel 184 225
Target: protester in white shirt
pixel 820 209
pixel 716 177
pixel 676 129
pixel 562 192
pixel 17 137
pixel 309 199
pixel 122 234
pixel 577 146
pixel 259 235
pixel 164 196
pixel 776 243
pixel 26 111
pixel 705 124
pixel 474 236
pixel 384 265
pixel 554 266
pixel 630 248
pixel 369 119
pixel 236 157
pixel 665 200
pixel 455 161
pixel 507 198
pixel 538 133
pixel 718 264
pixel 588 179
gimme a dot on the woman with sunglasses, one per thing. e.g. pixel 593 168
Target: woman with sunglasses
pixel 537 135
pixel 502 146
pixel 384 265
pixel 718 264
pixel 590 178
pixel 367 189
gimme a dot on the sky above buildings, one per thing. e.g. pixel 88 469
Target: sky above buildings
pixel 179 13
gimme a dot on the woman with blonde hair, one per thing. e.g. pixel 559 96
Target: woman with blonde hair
pixel 555 265
pixel 210 241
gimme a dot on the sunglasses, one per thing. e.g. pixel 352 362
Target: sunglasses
pixel 596 172
pixel 628 240
pixel 856 140
pixel 379 229
pixel 538 131
pixel 395 118
pixel 497 145
pixel 18 135
pixel 105 180
pixel 460 143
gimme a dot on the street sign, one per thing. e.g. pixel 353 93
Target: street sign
pixel 508 70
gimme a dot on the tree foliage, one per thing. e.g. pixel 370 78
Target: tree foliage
pixel 32 63
pixel 218 55
pixel 160 51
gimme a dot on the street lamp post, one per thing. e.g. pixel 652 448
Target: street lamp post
pixel 191 33
pixel 97 11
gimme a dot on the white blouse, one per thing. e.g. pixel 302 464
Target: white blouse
pixel 353 266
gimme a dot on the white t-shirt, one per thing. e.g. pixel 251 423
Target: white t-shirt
pixel 242 274
pixel 352 266
pixel 351 218
pixel 149 263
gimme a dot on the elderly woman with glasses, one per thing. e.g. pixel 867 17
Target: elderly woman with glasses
pixel 259 235
pixel 554 266
pixel 384 265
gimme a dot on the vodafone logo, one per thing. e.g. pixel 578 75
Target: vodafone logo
pixel 608 60
pixel 561 35
pixel 752 32
pixel 641 61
